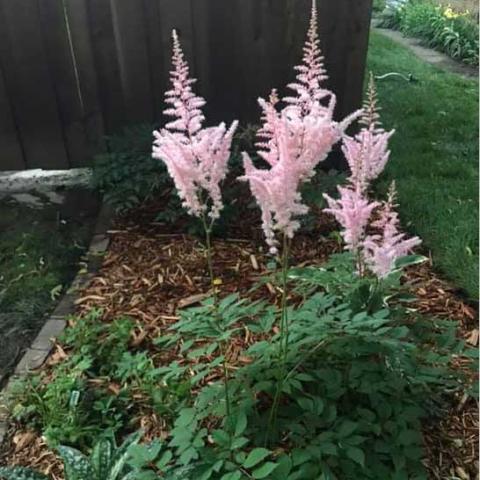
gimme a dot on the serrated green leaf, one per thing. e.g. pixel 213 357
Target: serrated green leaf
pixel 221 437
pixel 164 460
pixel 265 470
pixel 240 424
pixel 255 457
pixel 140 455
pixel 239 442
pixel 185 417
pixel 300 456
pixel 347 428
pixel 409 437
pixel 237 475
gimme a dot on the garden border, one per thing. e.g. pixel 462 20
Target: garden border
pixel 41 347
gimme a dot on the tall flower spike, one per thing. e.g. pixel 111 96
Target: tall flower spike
pixel 352 211
pixel 367 152
pixel 382 250
pixel 311 73
pixel 196 157
pixel 293 140
pixel 371 111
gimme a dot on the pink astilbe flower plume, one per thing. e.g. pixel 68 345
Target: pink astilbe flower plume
pixel 352 211
pixel 293 140
pixel 196 157
pixel 311 73
pixel 382 250
pixel 367 152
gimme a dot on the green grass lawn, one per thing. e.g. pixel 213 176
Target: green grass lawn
pixel 434 157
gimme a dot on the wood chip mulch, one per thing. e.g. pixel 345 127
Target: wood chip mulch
pixel 148 272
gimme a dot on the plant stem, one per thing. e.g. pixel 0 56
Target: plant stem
pixel 283 339
pixel 223 346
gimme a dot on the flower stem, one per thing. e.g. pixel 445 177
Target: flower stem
pixel 223 346
pixel 283 340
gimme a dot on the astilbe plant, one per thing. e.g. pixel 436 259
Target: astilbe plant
pixel 367 154
pixel 293 140
pixel 196 157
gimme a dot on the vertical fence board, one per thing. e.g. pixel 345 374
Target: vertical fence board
pixel 29 84
pixel 106 64
pixel 62 66
pixel 92 116
pixel 159 61
pixel 130 31
pixel 10 147
pixel 344 28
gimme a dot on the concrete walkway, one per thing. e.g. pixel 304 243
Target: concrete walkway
pixel 428 55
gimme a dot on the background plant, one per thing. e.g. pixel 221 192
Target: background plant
pixel 126 174
pixel 454 33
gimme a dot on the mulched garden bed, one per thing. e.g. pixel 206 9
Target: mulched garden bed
pixel 150 271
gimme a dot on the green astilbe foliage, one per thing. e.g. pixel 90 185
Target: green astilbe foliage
pixel 106 462
pixel 359 383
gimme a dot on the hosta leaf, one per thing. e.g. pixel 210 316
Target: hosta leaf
pixel 21 473
pixel 255 457
pixel 265 470
pixel 77 465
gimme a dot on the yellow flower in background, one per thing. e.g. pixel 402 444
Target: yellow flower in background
pixel 449 13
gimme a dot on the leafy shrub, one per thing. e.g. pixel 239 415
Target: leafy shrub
pixel 455 34
pixel 379 5
pixel 128 175
pixel 357 387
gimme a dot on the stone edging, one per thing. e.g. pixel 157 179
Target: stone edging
pixel 41 347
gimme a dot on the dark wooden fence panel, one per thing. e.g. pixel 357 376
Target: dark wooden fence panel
pixel 10 146
pixel 77 70
pixel 29 83
pixel 77 20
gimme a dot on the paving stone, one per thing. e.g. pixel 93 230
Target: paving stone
pixel 104 219
pixel 99 244
pixel 3 431
pixel 50 330
pixel 65 307
pixel 30 361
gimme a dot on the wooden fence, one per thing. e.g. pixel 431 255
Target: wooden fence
pixel 73 71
